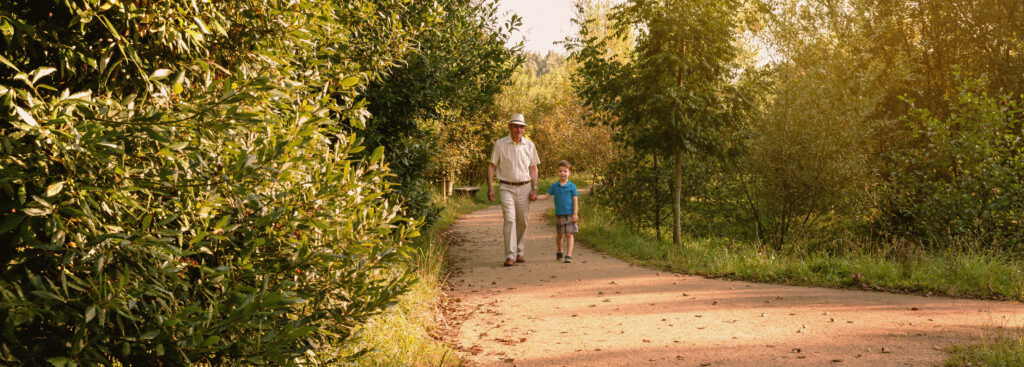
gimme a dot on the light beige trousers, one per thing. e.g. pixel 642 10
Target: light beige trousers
pixel 515 207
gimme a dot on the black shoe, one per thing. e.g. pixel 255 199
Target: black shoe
pixel 558 256
pixel 568 259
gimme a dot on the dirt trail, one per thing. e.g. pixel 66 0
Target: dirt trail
pixel 600 311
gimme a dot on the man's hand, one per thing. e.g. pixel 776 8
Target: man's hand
pixel 490 194
pixel 533 195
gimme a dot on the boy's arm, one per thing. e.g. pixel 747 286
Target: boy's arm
pixel 575 209
pixel 543 196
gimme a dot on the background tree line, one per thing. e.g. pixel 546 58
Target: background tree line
pixel 222 182
pixel 797 124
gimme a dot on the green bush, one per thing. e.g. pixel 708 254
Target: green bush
pixel 963 176
pixel 175 189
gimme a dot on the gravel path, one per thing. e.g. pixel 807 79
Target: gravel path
pixel 600 311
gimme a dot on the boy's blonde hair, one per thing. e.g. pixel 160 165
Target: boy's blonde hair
pixel 565 163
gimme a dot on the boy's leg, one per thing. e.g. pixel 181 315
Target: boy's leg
pixel 569 237
pixel 558 242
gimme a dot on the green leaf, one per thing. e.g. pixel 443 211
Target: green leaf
pixel 90 313
pixel 42 72
pixel 25 116
pixel 58 361
pixel 149 334
pixel 377 154
pixel 54 188
pixel 36 212
pixel 178 146
pixel 4 61
pixel 349 81
pixel 211 340
pixel 160 74
pixel 47 295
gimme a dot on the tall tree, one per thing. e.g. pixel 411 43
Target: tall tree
pixel 673 92
pixel 437 90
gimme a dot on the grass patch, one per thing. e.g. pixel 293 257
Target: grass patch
pixel 402 335
pixel 998 351
pixel 954 272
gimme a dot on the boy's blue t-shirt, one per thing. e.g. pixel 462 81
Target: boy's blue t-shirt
pixel 563 197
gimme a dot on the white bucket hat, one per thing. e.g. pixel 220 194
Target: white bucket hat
pixel 518 119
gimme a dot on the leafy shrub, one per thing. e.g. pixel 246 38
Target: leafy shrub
pixel 186 196
pixel 963 176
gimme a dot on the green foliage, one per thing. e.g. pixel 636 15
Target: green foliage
pixel 676 92
pixel 177 187
pixel 962 177
pixel 954 272
pixel 806 160
pixel 406 335
pixel 559 124
pixel 423 108
pixel 1003 349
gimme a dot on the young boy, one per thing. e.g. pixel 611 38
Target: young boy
pixel 566 209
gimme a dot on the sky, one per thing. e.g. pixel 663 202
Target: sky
pixel 544 22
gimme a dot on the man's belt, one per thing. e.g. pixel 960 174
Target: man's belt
pixel 514 183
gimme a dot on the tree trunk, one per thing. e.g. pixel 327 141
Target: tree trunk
pixel 677 198
pixel 657 198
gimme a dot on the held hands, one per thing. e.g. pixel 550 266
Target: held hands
pixel 533 195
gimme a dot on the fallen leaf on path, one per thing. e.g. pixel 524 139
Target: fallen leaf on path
pixel 837 360
pixel 796 350
pixel 764 314
pixel 714 303
pixel 886 350
pixel 646 341
pixel 915 309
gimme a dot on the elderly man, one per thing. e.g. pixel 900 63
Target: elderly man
pixel 515 160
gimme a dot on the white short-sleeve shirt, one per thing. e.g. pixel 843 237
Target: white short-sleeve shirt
pixel 513 160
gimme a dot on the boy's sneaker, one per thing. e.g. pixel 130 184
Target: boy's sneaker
pixel 568 259
pixel 558 256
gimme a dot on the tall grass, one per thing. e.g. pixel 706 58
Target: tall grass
pixel 403 335
pixel 1002 349
pixel 961 272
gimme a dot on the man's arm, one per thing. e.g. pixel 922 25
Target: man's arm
pixel 490 181
pixel 533 182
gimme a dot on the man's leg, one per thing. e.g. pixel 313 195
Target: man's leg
pixel 522 213
pixel 508 211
